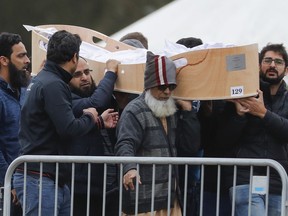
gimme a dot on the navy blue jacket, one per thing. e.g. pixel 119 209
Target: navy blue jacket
pixel 47 117
pixel 93 143
pixel 10 106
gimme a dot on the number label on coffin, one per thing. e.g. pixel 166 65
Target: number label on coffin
pixel 237 91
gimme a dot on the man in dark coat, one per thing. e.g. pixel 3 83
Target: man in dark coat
pixel 47 119
pixel 263 134
pixel 86 94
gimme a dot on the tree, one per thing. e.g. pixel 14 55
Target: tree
pixel 105 16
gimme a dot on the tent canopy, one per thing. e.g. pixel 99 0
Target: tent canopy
pixel 238 22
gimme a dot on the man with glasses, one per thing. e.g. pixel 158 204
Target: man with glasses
pixel 147 128
pixel 260 126
pixel 86 94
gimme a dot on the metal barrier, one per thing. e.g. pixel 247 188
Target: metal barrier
pixel 203 162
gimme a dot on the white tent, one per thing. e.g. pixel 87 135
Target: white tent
pixel 238 22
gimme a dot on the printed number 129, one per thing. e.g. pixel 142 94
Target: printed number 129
pixel 236 91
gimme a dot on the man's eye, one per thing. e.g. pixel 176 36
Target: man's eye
pixel 87 72
pixel 77 74
pixel 268 60
pixel 278 61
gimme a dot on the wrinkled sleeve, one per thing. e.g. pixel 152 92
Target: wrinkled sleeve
pixel 3 166
pixel 101 97
pixel 276 125
pixel 58 106
pixel 129 137
pixel 3 162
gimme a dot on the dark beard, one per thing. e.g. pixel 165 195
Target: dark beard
pixel 18 78
pixel 84 93
pixel 272 81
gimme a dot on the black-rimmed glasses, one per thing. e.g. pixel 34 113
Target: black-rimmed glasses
pixel 277 61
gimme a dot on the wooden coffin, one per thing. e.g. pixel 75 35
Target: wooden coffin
pixel 210 74
pixel 220 73
pixel 88 35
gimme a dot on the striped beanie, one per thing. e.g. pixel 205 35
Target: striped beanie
pixel 159 70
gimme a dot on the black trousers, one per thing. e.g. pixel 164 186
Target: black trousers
pixel 112 204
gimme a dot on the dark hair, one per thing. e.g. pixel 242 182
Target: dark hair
pixel 62 46
pixel 278 48
pixel 133 42
pixel 7 41
pixel 190 42
pixel 138 36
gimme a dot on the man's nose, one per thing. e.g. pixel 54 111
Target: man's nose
pixel 273 64
pixel 167 91
pixel 27 60
pixel 84 76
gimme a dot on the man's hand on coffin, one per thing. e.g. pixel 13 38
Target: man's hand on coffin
pixel 253 105
pixel 112 65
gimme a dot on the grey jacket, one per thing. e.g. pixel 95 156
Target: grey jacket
pixel 140 133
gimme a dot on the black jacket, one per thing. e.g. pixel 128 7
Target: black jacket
pixel 93 143
pixel 264 138
pixel 47 117
pixel 217 139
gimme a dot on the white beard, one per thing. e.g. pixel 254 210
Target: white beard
pixel 160 108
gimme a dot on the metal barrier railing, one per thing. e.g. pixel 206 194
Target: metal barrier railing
pixel 219 162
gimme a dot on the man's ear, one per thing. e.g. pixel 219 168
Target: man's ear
pixel 286 71
pixel 4 60
pixel 75 58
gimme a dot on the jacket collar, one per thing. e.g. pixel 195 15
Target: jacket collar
pixel 59 71
pixel 7 88
pixel 265 87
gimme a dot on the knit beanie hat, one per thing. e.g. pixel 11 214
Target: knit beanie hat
pixel 160 70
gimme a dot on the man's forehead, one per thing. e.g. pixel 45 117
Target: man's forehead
pixel 272 53
pixel 19 49
pixel 82 64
